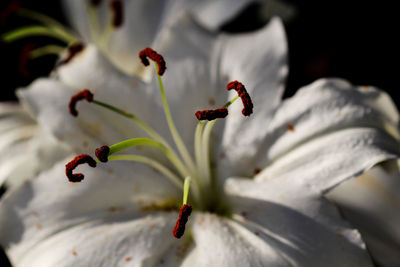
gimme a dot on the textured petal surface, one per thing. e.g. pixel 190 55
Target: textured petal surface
pixel 259 61
pixel 200 64
pixel 328 129
pixel 223 242
pixel 371 203
pixel 303 227
pixel 115 205
pixel 95 126
pixel 26 148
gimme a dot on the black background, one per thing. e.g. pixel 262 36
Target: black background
pixel 355 40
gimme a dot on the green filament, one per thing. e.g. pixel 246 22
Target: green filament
pixel 175 134
pixel 28 31
pixel 186 187
pixel 177 181
pixel 170 154
pixel 46 50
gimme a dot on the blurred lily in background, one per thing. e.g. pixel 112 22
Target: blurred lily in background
pixel 262 180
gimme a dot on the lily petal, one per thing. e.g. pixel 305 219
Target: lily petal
pixel 51 212
pixel 26 148
pixel 95 126
pixel 305 228
pixel 259 61
pixel 208 61
pixel 223 242
pixel 371 203
pixel 335 129
pixel 213 13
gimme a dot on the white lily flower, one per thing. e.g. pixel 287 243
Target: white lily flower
pixel 142 21
pixel 261 200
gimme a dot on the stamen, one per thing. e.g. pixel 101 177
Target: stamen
pixel 212 114
pixel 117 9
pixel 242 93
pixel 73 50
pixel 156 57
pixel 161 67
pixel 84 94
pixel 81 159
pixel 95 3
pixel 102 153
pixel 184 214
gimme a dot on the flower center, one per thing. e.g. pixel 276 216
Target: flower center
pixel 206 194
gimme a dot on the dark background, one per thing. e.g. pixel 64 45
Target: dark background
pixel 355 40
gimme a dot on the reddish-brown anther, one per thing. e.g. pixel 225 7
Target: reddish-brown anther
pixel 118 13
pixel 84 94
pixel 8 10
pixel 81 159
pixel 242 93
pixel 184 214
pixel 102 153
pixel 73 50
pixel 23 59
pixel 95 3
pixel 212 114
pixel 156 57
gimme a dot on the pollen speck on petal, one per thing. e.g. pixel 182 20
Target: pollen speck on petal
pixel 290 127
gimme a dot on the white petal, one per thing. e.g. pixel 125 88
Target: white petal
pixel 90 69
pixel 312 128
pixel 115 242
pixel 198 63
pixel 189 79
pixel 26 149
pixel 222 242
pixel 259 61
pixel 50 211
pixel 371 203
pixel 301 225
pixel 48 100
pixel 95 126
pixel 328 160
pixel 328 132
pixel 213 13
pixel 77 14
